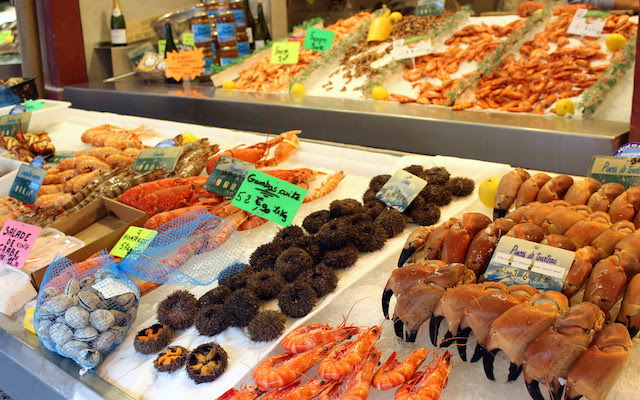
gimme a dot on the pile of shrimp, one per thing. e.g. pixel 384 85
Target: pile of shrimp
pixel 472 43
pixel 347 369
pixel 266 77
pixel 112 136
pixel 11 208
pixel 547 68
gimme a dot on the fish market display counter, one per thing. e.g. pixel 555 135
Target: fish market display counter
pixel 32 371
pixel 540 142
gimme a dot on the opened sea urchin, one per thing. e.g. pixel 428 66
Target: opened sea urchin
pixel 297 299
pixel 266 326
pixel 207 362
pixel 153 339
pixel 171 359
pixel 178 310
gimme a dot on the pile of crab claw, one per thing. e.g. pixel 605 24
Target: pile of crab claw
pixel 553 338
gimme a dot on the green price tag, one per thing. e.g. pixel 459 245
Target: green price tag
pixel 227 176
pixel 27 184
pixel 285 52
pixel 318 39
pixel 33 105
pixel 133 238
pixel 10 123
pixel 59 156
pixel 162 46
pixel 269 197
pixel 156 158
pixel 6 36
pixel 187 39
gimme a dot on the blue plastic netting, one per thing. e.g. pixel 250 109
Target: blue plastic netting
pixel 85 309
pixel 192 249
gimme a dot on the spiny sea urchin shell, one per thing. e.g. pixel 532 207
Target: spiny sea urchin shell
pixel 266 326
pixel 178 310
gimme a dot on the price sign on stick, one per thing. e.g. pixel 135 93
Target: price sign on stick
pixel 318 39
pixel 10 123
pixel 16 241
pixel 26 185
pixel 132 238
pixel 518 261
pixel 269 197
pixel 588 22
pixel 401 190
pixel 411 48
pixel 184 63
pixel 622 170
pixel 285 52
pixel 156 158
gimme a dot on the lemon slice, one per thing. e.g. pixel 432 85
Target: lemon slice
pixel 487 191
pixel 28 320
pixel 297 88
pixel 379 93
pixel 188 137
pixel 229 85
pixel 564 107
pixel 615 41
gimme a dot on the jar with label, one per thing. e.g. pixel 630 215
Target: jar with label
pixel 226 27
pixel 201 28
pixel 223 5
pixel 208 60
pixel 237 8
pixel 228 54
pixel 244 47
pixel 212 8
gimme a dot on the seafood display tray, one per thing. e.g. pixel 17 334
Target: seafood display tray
pixel 532 141
pixel 125 375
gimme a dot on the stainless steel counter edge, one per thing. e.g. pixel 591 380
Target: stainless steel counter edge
pixel 30 371
pixel 539 142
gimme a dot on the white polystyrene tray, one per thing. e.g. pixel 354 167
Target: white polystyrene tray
pixel 53 112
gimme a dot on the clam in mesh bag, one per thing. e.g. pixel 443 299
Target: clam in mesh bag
pixel 85 309
pixel 192 249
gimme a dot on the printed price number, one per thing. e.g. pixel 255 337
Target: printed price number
pixel 261 206
pixel 588 23
pixel 525 276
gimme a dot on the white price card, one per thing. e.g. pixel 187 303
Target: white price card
pixel 109 287
pixel 410 48
pixel 588 22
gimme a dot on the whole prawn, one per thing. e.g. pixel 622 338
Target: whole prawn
pixel 394 373
pixel 307 337
pixel 282 369
pixel 427 385
pixel 344 359
pixel 248 393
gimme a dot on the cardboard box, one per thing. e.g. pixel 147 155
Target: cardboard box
pixel 99 225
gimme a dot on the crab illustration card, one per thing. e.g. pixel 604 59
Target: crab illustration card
pixel 401 190
pixel 518 261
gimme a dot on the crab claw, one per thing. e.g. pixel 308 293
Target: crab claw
pixel 386 298
pixel 398 326
pixel 405 254
pixel 478 353
pixel 463 336
pixel 434 326
pixel 514 372
pixel 534 390
pixel 487 362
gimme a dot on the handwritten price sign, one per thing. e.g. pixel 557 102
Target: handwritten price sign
pixel 318 39
pixel 16 241
pixel 185 63
pixel 131 239
pixel 588 22
pixel 268 197
pixel 285 52
pixel 411 48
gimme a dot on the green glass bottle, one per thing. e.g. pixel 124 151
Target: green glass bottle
pixel 251 24
pixel 118 27
pixel 170 46
pixel 261 36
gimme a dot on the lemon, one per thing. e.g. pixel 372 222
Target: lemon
pixel 297 88
pixel 564 107
pixel 379 93
pixel 28 320
pixel 395 16
pixel 188 137
pixel 615 41
pixel 487 191
pixel 229 85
